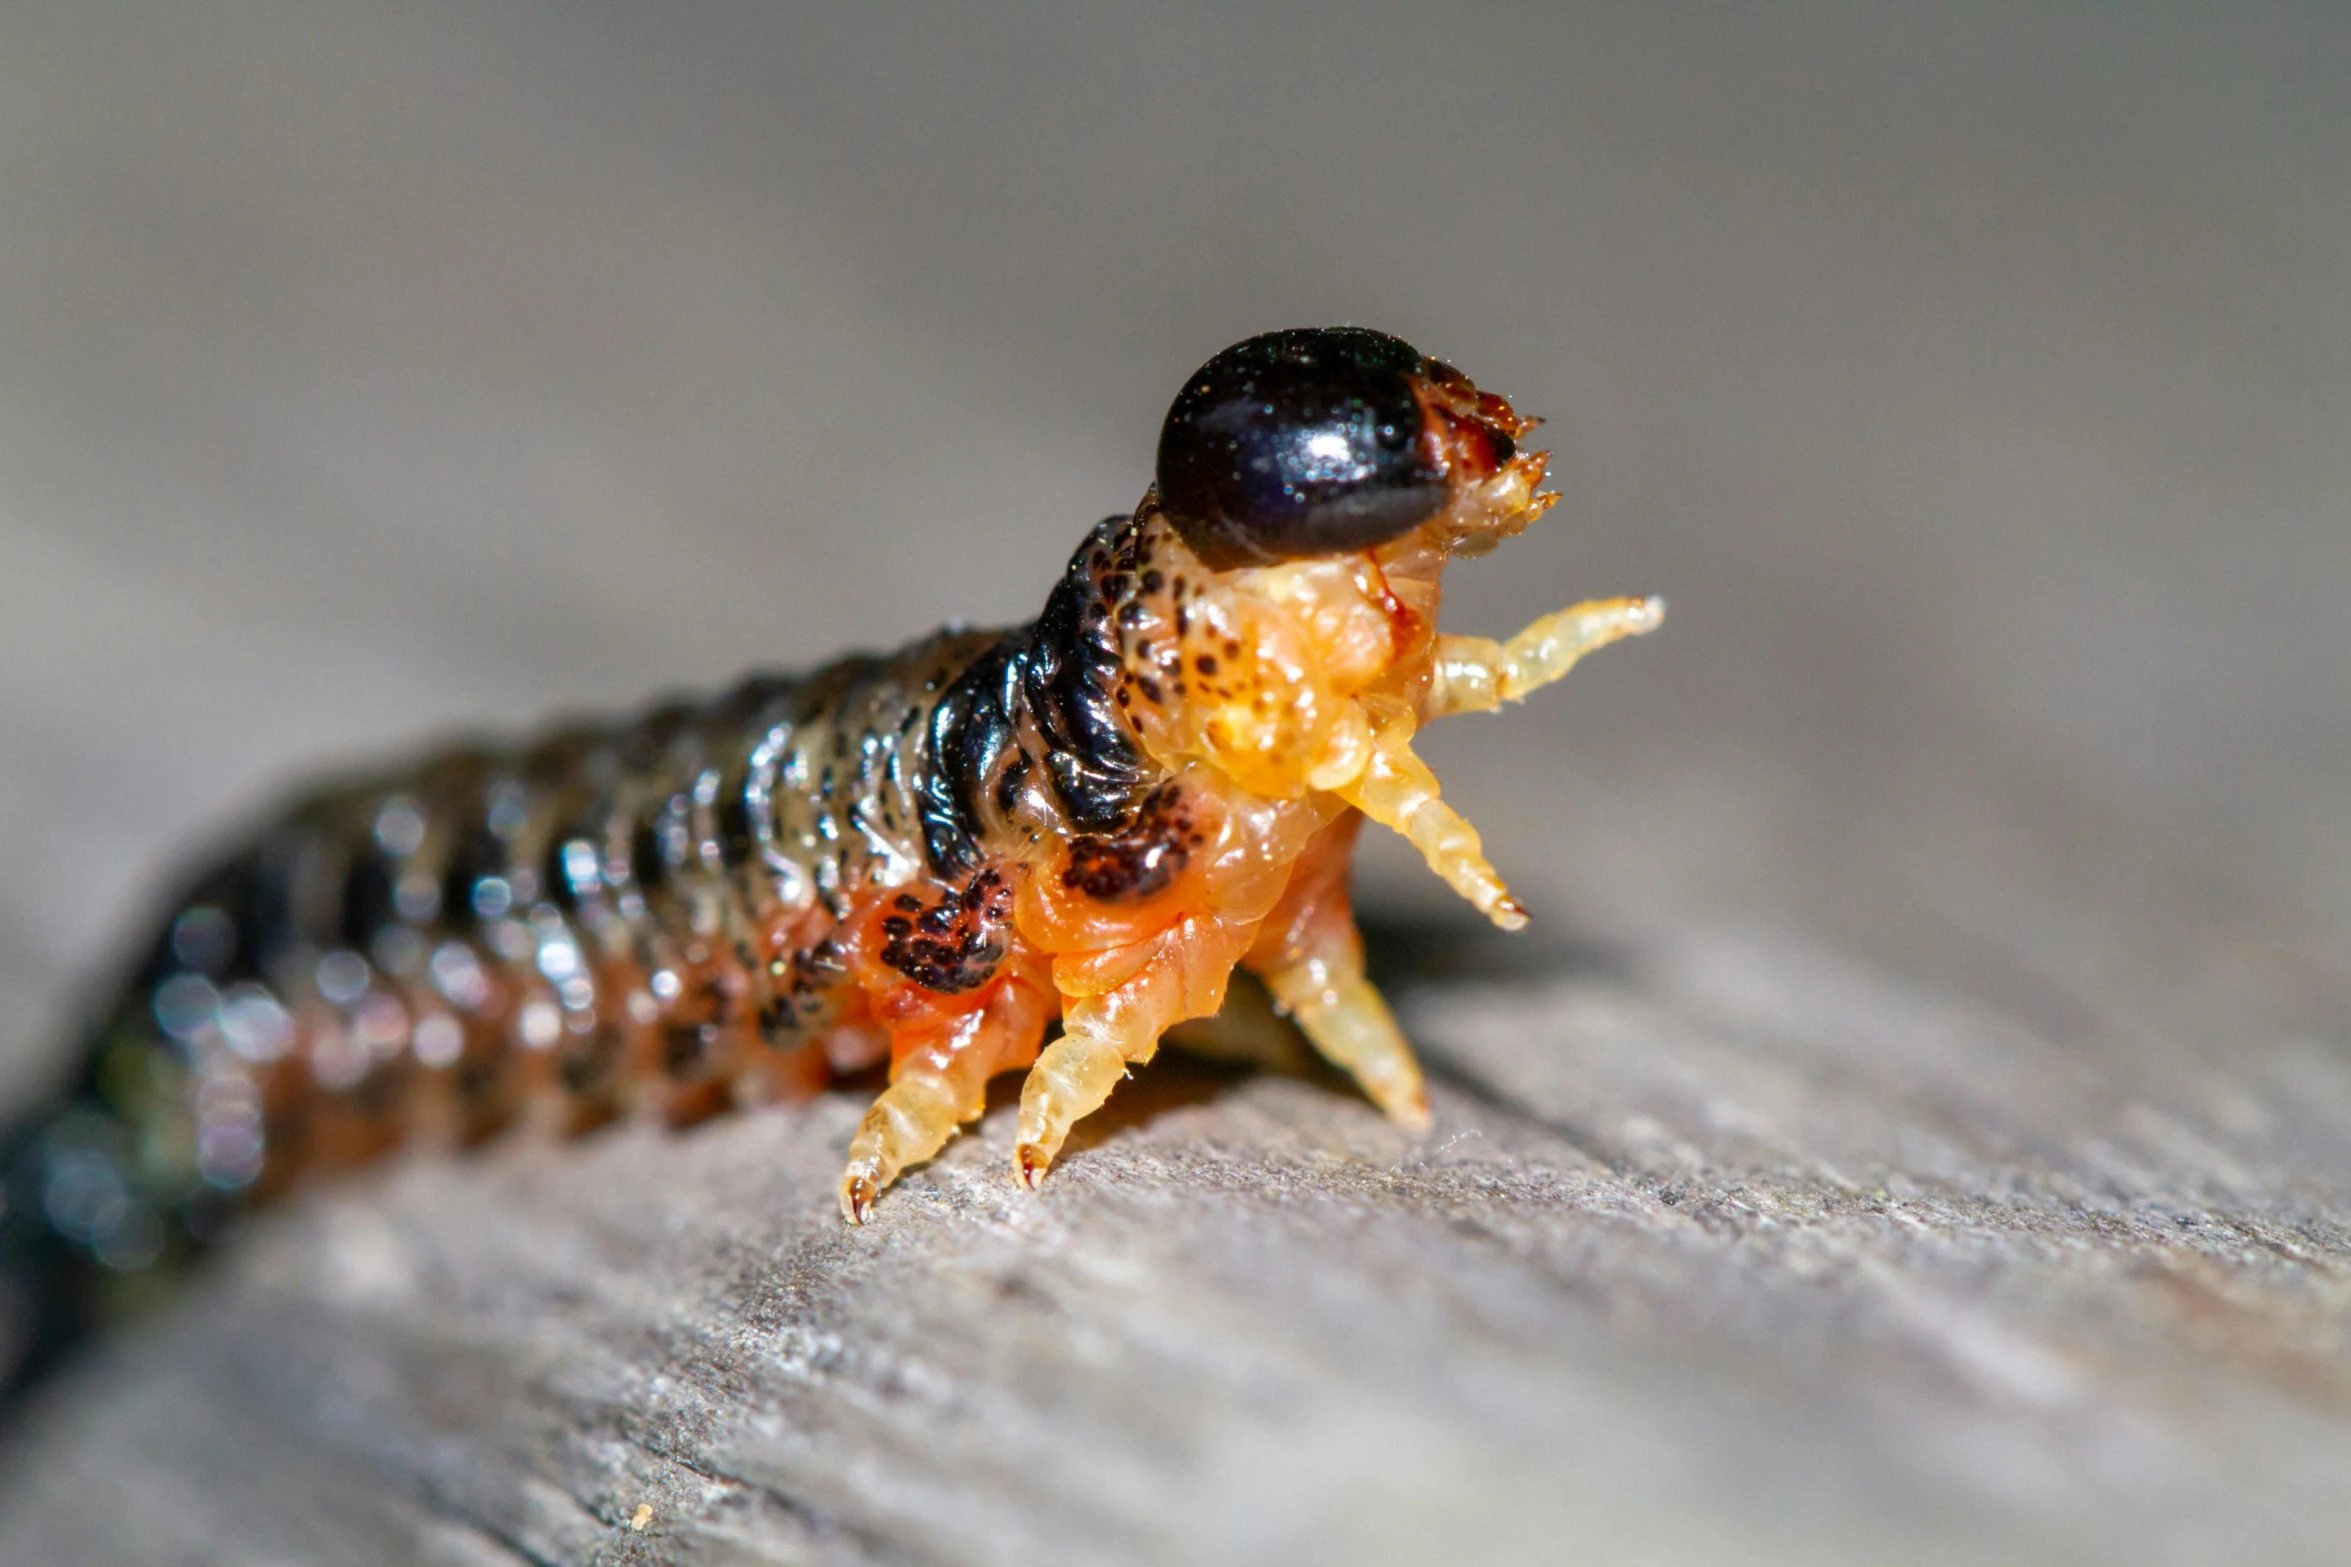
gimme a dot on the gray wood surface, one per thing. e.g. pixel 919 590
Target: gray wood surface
pixel 1726 1247
pixel 1919 1125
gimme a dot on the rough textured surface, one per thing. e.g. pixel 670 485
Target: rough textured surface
pixel 1726 1248
pixel 1919 1127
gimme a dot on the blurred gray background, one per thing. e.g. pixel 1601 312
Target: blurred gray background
pixel 1974 381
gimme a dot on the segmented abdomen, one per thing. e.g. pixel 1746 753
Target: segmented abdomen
pixel 609 914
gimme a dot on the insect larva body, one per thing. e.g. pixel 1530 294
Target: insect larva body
pixel 926 856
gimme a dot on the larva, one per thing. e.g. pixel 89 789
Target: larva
pixel 927 856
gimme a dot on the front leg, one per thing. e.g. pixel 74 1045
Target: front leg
pixel 1474 674
pixel 1397 790
pixel 1479 674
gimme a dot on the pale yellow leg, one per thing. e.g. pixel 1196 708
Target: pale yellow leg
pixel 1068 1083
pixel 911 1121
pixel 1345 1017
pixel 1104 1034
pixel 934 1089
pixel 1101 1038
pixel 1478 674
pixel 1397 790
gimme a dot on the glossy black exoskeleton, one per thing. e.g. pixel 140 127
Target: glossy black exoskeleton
pixel 1299 443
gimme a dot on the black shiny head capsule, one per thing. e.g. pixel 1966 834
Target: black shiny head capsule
pixel 1299 443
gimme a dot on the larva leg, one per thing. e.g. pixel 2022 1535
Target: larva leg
pixel 1397 790
pixel 1478 674
pixel 1182 976
pixel 1350 1024
pixel 938 1081
pixel 1311 957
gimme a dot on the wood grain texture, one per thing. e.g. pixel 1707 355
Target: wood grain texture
pixel 1917 1128
pixel 1725 1248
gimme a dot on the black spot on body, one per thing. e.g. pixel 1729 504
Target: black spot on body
pixel 1140 862
pixel 955 944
